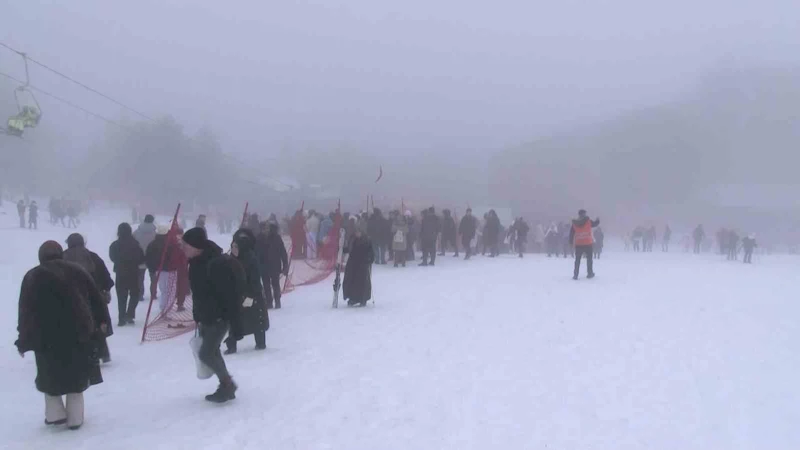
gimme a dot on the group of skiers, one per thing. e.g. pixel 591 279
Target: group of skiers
pixel 728 242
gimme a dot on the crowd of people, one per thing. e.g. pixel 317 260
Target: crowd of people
pixel 64 316
pixel 59 209
pixel 728 240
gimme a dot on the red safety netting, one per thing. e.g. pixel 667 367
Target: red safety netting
pixel 169 313
pixel 310 260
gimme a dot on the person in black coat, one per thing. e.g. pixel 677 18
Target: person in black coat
pixel 599 239
pixel 467 228
pixel 429 232
pixel 492 234
pixel 127 256
pixel 376 229
pixel 448 233
pixel 357 285
pixel 60 312
pixel 254 318
pixel 217 283
pixel 91 262
pixel 274 262
pixel 521 228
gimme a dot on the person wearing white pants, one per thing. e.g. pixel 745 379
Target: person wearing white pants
pixel 61 313
pixel 55 413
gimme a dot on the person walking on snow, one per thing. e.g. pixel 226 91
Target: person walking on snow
pixel 448 233
pixel 60 313
pixel 33 216
pixel 273 261
pixel 581 238
pixel 467 229
pixel 429 232
pixel 21 212
pixel 145 234
pixel 399 240
pixel 252 308
pixel 666 239
pixel 749 244
pixel 599 238
pixel 91 262
pixel 216 297
pixel 127 256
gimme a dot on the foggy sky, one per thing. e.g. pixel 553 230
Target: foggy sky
pixel 399 77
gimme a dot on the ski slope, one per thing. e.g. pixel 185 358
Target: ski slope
pixel 660 351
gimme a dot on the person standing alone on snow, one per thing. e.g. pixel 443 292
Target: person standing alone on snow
pixel 749 244
pixel 21 212
pixel 127 256
pixel 60 313
pixel 581 238
pixel 33 216
pixel 216 298
pixel 357 284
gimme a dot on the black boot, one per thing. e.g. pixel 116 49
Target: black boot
pixel 225 392
pixel 277 303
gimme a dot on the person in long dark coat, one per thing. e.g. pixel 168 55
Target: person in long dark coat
pixel 78 253
pixel 60 312
pixel 467 228
pixel 274 262
pixel 253 309
pixel 492 234
pixel 127 256
pixel 357 285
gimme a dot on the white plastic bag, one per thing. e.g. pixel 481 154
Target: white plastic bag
pixel 203 371
pixel 247 303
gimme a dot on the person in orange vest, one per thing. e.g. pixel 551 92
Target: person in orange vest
pixel 580 236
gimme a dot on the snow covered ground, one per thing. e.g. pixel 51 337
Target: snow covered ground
pixel 660 351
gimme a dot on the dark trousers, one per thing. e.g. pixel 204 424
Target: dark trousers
pixel 272 288
pixel 567 248
pixel 209 354
pixel 448 241
pixel 466 243
pixel 521 247
pixel 428 251
pixel 260 337
pixel 33 223
pixel 581 250
pixel 128 296
pixel 697 246
pixel 22 221
pixel 748 256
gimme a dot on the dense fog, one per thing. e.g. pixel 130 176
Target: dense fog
pixel 681 112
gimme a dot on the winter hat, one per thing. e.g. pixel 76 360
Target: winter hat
pixel 75 240
pixel 245 239
pixel 196 237
pixel 582 213
pixel 124 230
pixel 149 218
pixel 50 251
pixel 162 230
